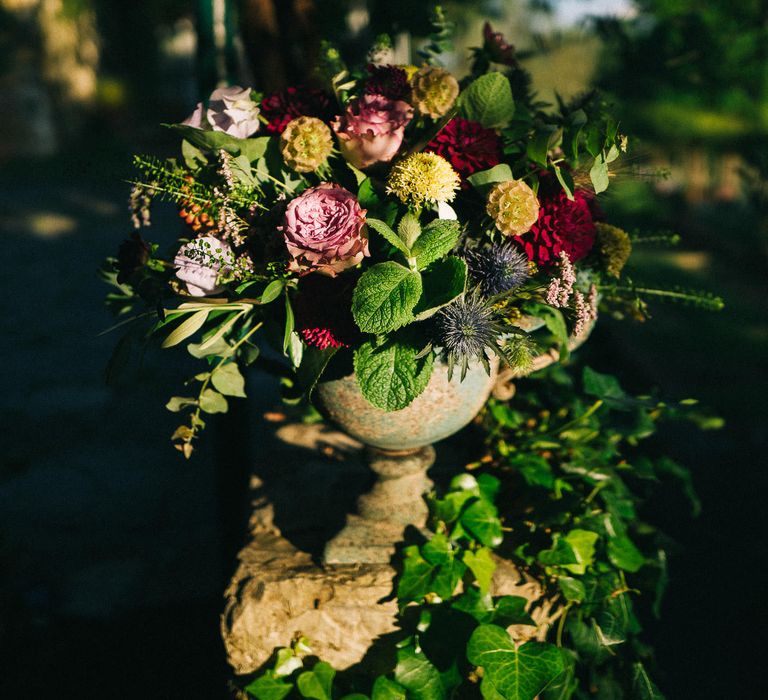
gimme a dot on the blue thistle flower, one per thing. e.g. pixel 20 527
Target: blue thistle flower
pixel 498 268
pixel 467 328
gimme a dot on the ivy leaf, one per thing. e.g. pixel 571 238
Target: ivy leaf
pixel 418 676
pixel 560 554
pixel 317 683
pixel 269 687
pixel 438 550
pixel 510 610
pixel 437 239
pixel 385 689
pixel 481 564
pixel 489 487
pixel 582 543
pixel 442 282
pixel 228 380
pixel 212 401
pixel 484 179
pixel 571 588
pixel 384 297
pixel 623 553
pixel 391 237
pixel 514 673
pixel 488 100
pixel 390 376
pixel 474 603
pixel 415 581
pixel 480 519
pixel 447 577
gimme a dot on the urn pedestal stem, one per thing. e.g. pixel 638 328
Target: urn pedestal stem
pixel 394 502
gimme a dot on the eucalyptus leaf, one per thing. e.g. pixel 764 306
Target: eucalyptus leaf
pixel 228 380
pixel 176 403
pixel 212 401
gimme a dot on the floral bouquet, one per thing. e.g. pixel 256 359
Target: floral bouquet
pixel 392 215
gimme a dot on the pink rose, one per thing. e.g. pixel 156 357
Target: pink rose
pixel 372 129
pixel 201 262
pixel 230 110
pixel 324 230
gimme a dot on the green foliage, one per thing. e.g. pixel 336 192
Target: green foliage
pixel 389 374
pixel 488 100
pixel 384 297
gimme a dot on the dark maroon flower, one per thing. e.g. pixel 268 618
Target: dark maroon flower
pixel 279 108
pixel 132 255
pixel 323 312
pixel 563 225
pixel 390 81
pixel 497 48
pixel 467 146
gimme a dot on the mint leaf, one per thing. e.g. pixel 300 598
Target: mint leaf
pixel 436 240
pixel 390 376
pixel 442 282
pixel 513 673
pixel 384 297
pixel 488 100
pixel 392 238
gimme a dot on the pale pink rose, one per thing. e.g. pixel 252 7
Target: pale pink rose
pixel 230 110
pixel 371 131
pixel 324 230
pixel 201 262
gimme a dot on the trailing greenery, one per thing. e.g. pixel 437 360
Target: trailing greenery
pixel 559 493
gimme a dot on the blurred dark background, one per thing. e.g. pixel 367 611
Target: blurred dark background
pixel 113 551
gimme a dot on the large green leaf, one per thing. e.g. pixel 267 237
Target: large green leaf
pixel 418 676
pixel 481 520
pixel 582 543
pixel 385 689
pixel 390 376
pixel 513 673
pixel 437 239
pixel 384 297
pixel 189 326
pixel 510 610
pixel 415 581
pixel 484 179
pixel 488 100
pixel 269 687
pixel 228 380
pixel 391 237
pixel 623 553
pixel 442 282
pixel 313 364
pixel 482 566
pixel 317 683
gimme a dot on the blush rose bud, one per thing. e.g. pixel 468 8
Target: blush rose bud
pixel 324 230
pixel 372 129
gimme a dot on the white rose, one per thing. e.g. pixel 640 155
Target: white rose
pixel 230 110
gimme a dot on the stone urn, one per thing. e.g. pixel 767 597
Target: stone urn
pixel 399 451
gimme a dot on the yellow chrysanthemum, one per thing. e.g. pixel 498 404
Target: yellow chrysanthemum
pixel 513 207
pixel 434 91
pixel 305 144
pixel 423 178
pixel 615 247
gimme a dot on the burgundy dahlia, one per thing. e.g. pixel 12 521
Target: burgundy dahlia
pixel 563 225
pixel 279 108
pixel 467 146
pixel 390 81
pixel 323 316
pixel 499 50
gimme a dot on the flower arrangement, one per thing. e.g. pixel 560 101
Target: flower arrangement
pixel 396 210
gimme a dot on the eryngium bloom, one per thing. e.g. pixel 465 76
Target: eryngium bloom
pixel 513 207
pixel 324 230
pixel 423 178
pixel 305 144
pixel 615 247
pixel 468 329
pixel 498 268
pixel 434 91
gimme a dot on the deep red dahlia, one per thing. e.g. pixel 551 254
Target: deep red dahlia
pixel 279 108
pixel 562 225
pixel 323 315
pixel 390 81
pixel 467 146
